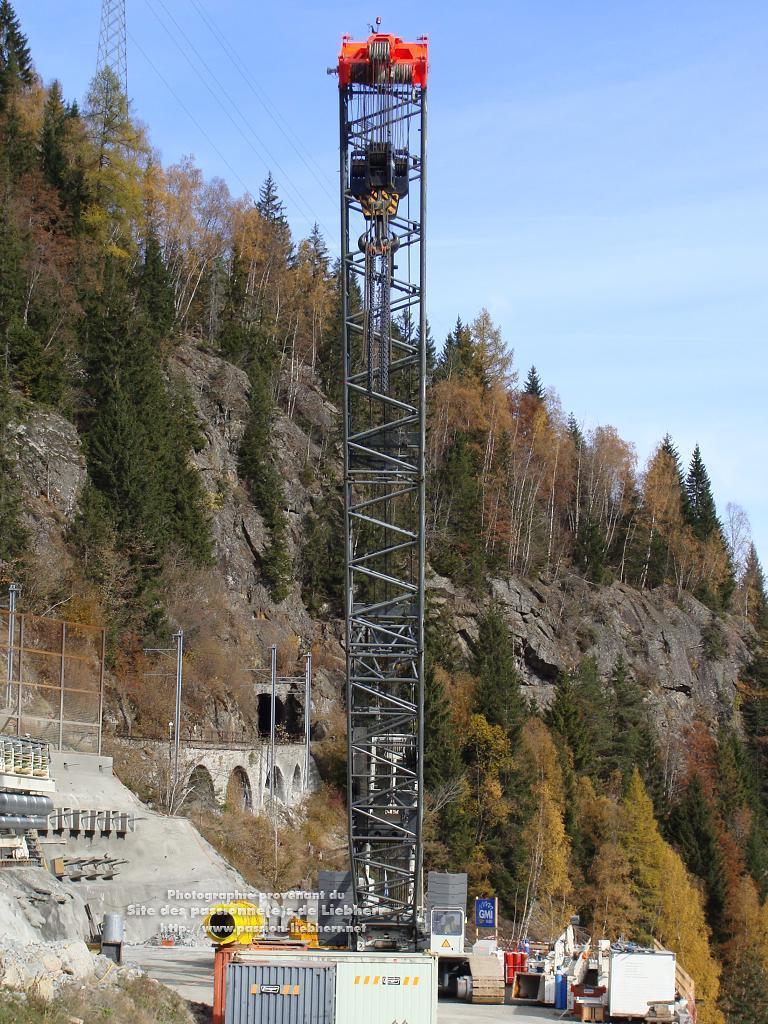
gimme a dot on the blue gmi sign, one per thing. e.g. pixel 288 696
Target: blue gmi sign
pixel 485 912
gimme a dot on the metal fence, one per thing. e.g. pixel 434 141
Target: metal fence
pixel 52 680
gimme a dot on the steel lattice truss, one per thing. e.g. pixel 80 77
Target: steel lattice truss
pixel 384 419
pixel 112 41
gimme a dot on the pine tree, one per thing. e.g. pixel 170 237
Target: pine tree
pixel 16 69
pixel 692 829
pixel 60 159
pixel 12 255
pixel 498 697
pixel 533 385
pixel 702 514
pixel 431 353
pixel 247 346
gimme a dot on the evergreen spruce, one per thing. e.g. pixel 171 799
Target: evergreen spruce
pixel 745 982
pixel 458 358
pixel 318 249
pixel 692 829
pixel 139 432
pixel 590 555
pixel 632 743
pixel 754 601
pixel 269 203
pixel 16 69
pixel 442 761
pixel 670 449
pixel 583 717
pixel 461 555
pixel 533 385
pixel 246 346
pixel 40 374
pixel 575 433
pixel 155 288
pixel 322 559
pixel 498 696
pixel 440 641
pixel 265 486
pixel 53 156
pixel 754 713
pixel 702 514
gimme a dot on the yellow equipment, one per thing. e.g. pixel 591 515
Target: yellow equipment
pixel 300 930
pixel 239 922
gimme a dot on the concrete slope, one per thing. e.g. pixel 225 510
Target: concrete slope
pixel 163 854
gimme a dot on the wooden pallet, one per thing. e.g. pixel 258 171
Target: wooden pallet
pixel 487 979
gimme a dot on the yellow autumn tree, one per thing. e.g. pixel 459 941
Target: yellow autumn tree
pixel 608 891
pixel 670 906
pixel 545 846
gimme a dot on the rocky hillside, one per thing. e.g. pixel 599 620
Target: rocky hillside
pixel 688 658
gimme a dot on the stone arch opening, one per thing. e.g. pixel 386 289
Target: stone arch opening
pixel 279 785
pixel 264 713
pixel 296 782
pixel 239 795
pixel 201 794
pixel 294 716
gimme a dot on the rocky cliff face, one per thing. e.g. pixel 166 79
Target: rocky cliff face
pixel 689 661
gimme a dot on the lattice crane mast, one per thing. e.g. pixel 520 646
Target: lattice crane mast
pixel 382 88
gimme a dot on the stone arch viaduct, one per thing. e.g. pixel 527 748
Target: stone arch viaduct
pixel 237 774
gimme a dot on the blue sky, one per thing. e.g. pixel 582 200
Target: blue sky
pixel 598 179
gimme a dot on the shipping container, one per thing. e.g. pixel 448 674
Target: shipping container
pixel 330 987
pixel 639 977
pixel 280 993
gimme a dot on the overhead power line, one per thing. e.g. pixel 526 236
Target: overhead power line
pixel 321 177
pixel 228 105
pixel 187 111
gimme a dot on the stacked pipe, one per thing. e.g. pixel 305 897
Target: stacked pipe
pixel 22 811
pixel 28 760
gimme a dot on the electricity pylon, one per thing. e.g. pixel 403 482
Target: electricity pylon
pixel 113 51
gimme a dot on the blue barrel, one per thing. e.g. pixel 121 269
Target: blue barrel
pixel 561 991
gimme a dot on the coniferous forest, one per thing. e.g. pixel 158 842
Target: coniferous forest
pixel 109 260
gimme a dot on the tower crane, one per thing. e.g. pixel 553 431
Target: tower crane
pixel 383 129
